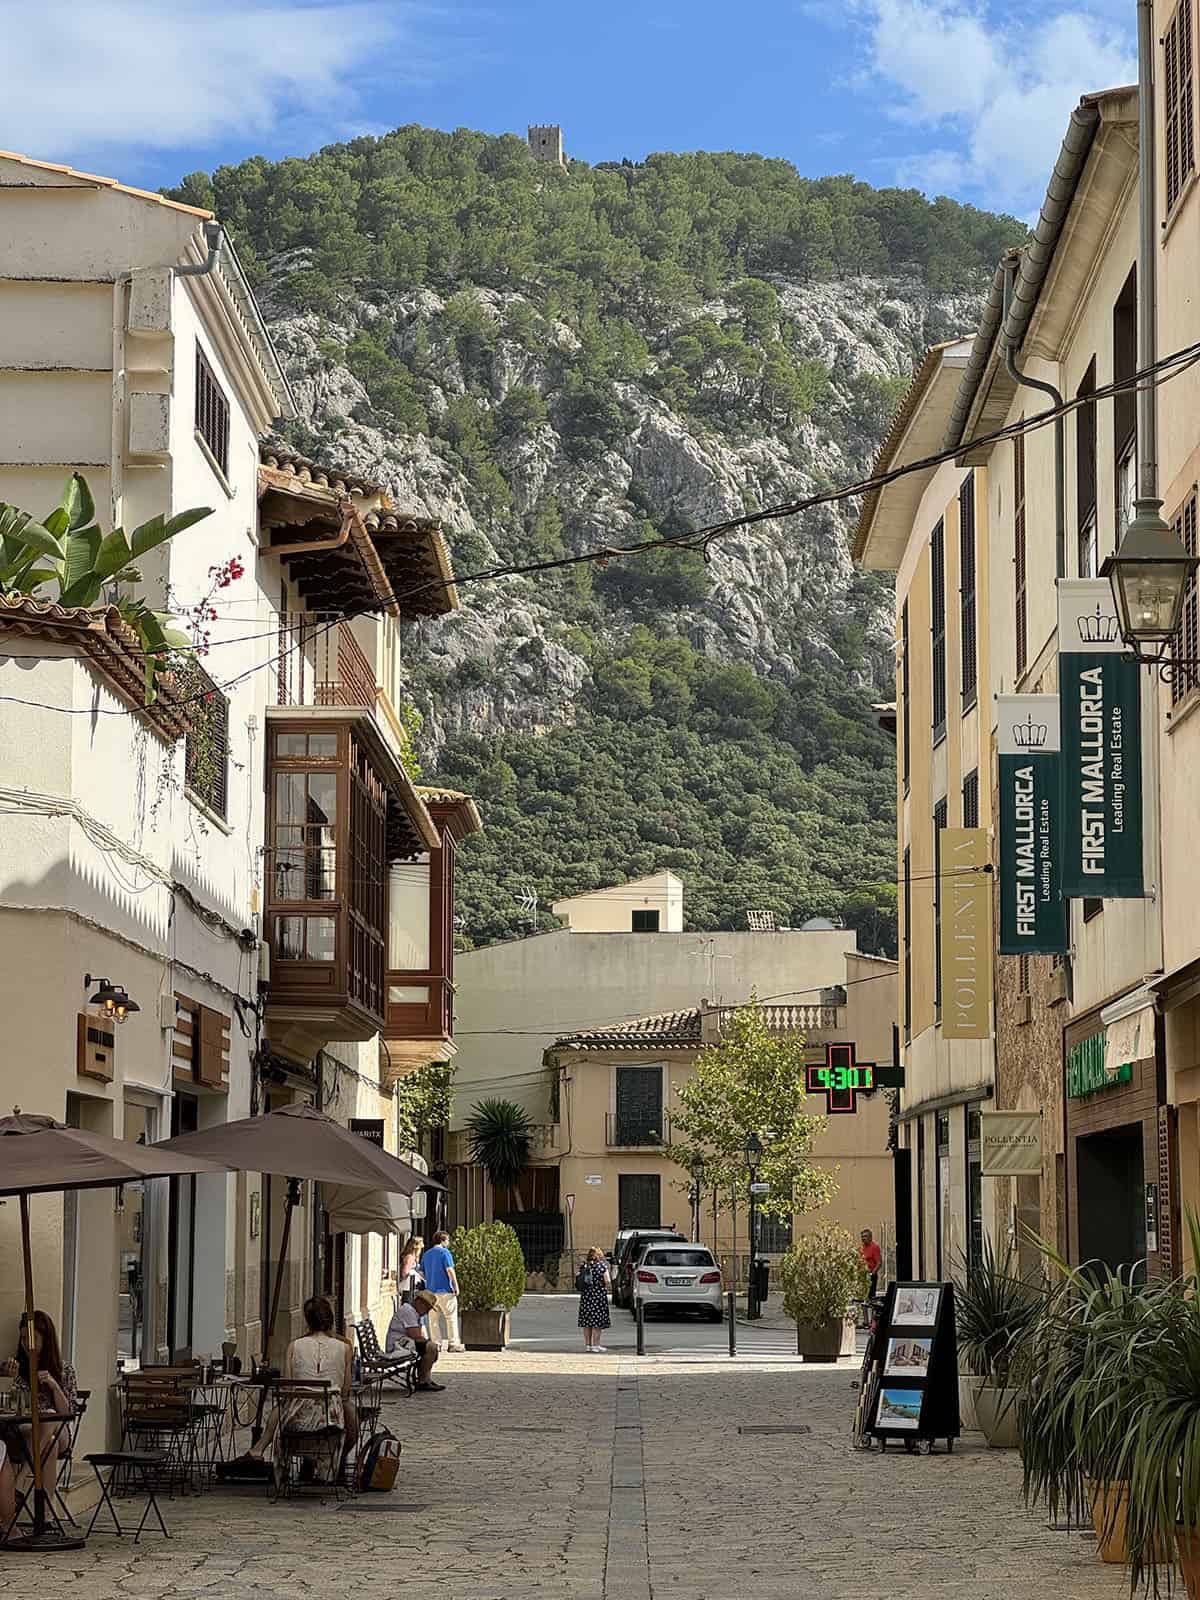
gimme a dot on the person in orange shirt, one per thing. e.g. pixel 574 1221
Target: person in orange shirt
pixel 872 1257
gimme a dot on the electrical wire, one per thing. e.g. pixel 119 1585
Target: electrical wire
pixel 1153 376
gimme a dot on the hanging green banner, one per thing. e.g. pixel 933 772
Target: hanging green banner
pixel 1099 695
pixel 1033 913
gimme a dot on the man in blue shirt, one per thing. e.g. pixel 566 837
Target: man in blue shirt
pixel 441 1280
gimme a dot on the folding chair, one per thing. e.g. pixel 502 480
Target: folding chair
pixel 134 1464
pixel 317 1439
pixel 399 1367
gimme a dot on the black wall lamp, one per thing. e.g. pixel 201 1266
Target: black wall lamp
pixel 111 996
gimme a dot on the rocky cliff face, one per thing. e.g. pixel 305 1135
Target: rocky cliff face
pixel 780 593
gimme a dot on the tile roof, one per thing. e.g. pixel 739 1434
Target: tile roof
pixel 668 1029
pixel 104 183
pixel 109 645
pixel 466 811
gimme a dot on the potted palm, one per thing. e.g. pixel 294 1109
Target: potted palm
pixel 823 1275
pixel 491 1279
pixel 996 1312
pixel 501 1138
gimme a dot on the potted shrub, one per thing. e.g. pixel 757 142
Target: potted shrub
pixel 491 1280
pixel 996 1312
pixel 823 1275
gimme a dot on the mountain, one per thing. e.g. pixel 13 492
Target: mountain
pixel 553 360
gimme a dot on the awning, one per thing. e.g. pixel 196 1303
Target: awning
pixel 352 1210
pixel 1128 1031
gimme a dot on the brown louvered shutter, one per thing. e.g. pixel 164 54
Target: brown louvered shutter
pixel 214 1048
pixel 1185 679
pixel 1178 114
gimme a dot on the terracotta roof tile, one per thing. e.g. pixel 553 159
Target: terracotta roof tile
pixel 668 1029
pixel 105 183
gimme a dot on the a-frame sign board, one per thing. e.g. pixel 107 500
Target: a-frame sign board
pixel 918 1388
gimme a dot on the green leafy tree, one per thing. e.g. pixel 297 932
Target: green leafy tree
pixel 423 1100
pixel 752 1082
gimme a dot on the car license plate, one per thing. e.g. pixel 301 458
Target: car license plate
pixel 679 1283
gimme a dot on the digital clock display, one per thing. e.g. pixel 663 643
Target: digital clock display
pixel 840 1078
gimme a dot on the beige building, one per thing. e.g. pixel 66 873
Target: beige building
pixel 247 857
pixel 931 529
pixel 618 1087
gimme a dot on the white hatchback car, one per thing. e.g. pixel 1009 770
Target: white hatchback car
pixel 678 1277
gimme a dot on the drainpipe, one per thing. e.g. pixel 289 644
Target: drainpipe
pixel 214 238
pixel 1011 263
pixel 1147 439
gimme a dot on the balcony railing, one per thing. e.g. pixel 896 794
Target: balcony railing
pixel 320 663
pixel 633 1131
pixel 801 1019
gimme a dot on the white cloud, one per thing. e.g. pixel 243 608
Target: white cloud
pixel 996 88
pixel 145 75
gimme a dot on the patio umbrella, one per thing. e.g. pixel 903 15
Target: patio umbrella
pixel 37 1156
pixel 298 1142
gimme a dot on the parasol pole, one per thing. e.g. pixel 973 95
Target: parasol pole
pixel 39 1493
pixel 293 1200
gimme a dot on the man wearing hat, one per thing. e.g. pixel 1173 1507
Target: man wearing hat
pixel 408 1327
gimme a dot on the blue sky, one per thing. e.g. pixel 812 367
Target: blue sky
pixel 963 97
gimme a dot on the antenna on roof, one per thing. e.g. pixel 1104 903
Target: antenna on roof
pixel 528 901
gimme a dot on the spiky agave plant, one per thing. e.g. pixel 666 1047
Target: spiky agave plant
pixel 501 1137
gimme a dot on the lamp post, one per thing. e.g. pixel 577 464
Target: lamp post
pixel 754 1154
pixel 1149 574
pixel 697 1181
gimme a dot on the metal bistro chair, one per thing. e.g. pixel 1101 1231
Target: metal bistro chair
pixel 399 1367
pixel 319 1439
pixel 158 1419
pixel 368 1402
pixel 67 1459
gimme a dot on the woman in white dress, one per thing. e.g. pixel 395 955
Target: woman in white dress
pixel 319 1356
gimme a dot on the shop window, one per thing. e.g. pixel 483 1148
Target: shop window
pixel 974 1183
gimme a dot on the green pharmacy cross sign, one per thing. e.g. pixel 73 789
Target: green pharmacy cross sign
pixel 842 1079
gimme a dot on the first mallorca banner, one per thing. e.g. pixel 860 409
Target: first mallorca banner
pixel 1098 690
pixel 1033 915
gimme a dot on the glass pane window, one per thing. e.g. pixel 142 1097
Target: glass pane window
pixel 305 856
pixel 305 938
pixel 1126 488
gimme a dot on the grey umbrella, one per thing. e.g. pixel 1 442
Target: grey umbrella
pixel 299 1142
pixel 37 1156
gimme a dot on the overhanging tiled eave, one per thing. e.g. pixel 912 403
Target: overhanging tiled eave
pixel 318 535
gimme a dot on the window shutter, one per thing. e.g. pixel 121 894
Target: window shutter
pixel 966 580
pixel 1184 679
pixel 213 1066
pixel 1019 551
pixel 1179 125
pixel 937 565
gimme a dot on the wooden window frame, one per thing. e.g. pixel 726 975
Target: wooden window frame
pixel 968 639
pixel 206 773
pixel 937 596
pixel 1178 98
pixel 1187 529
pixel 212 411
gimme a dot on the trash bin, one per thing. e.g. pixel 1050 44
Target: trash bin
pixel 761 1270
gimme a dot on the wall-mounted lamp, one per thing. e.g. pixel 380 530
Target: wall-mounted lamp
pixel 111 996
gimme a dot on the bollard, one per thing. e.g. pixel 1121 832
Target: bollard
pixel 733 1322
pixel 641 1326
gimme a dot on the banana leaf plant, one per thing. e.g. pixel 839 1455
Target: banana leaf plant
pixel 67 559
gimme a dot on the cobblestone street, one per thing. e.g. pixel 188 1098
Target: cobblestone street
pixel 544 1473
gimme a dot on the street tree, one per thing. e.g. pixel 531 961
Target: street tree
pixel 753 1081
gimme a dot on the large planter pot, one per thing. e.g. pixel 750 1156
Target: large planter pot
pixel 1187 1551
pixel 996 1413
pixel 1110 1506
pixel 825 1341
pixel 968 1388
pixel 484 1330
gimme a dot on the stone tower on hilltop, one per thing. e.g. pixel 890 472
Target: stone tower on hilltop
pixel 547 144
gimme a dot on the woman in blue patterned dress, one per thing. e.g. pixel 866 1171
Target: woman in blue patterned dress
pixel 593 1299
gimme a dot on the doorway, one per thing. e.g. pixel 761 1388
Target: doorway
pixel 181 1225
pixel 1110 1196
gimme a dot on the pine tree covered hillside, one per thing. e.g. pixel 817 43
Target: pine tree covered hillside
pixel 550 360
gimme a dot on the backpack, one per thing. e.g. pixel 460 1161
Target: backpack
pixel 382 1463
pixel 583 1280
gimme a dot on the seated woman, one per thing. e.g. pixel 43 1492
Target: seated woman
pixel 57 1392
pixel 8 1492
pixel 318 1356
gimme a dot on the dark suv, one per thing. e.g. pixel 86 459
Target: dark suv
pixel 632 1245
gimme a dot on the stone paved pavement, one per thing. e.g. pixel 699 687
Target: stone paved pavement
pixel 544 1474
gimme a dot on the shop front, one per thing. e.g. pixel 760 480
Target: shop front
pixel 1113 1091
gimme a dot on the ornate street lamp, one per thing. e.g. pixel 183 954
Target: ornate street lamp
pixel 754 1155
pixel 697 1183
pixel 1149 574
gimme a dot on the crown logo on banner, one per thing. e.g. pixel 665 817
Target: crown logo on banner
pixel 1100 629
pixel 1029 735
